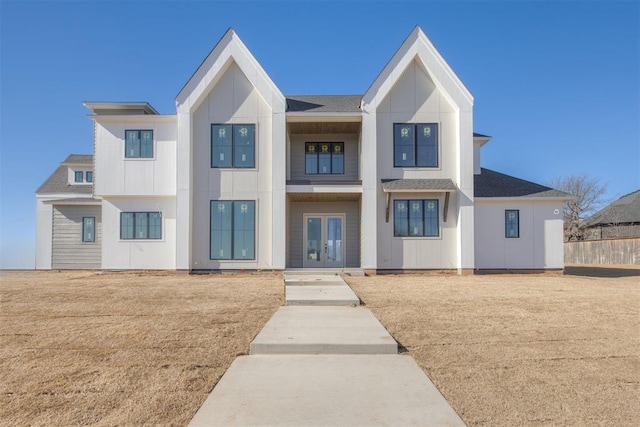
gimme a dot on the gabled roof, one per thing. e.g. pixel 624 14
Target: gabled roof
pixel 324 103
pixel 229 49
pixel 58 182
pixel 418 47
pixel 625 210
pixel 495 184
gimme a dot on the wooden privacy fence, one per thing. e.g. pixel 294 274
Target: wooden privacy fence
pixel 613 251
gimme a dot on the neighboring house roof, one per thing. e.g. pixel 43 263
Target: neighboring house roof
pixel 78 159
pixel 623 211
pixel 494 184
pixel 58 182
pixel 324 103
pixel 395 185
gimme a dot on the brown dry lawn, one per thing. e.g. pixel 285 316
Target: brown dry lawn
pixel 521 349
pixel 88 348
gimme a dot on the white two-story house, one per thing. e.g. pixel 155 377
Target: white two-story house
pixel 244 177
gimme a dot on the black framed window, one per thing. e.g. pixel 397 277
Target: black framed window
pixel 324 158
pixel 232 230
pixel 415 145
pixel 138 144
pixel 233 145
pixel 140 225
pixel 88 229
pixel 89 176
pixel 78 176
pixel 416 218
pixel 512 223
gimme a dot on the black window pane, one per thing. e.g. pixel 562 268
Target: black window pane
pixel 78 177
pixel 324 158
pixel 141 221
pixel 400 218
pixel 146 144
pixel 427 145
pixel 126 225
pixel 243 230
pixel 155 225
pixel 132 143
pixel 512 223
pixel 220 229
pixel 89 176
pixel 403 145
pixel 337 158
pixel 431 218
pixel 244 146
pixel 221 146
pixel 88 229
pixel 416 221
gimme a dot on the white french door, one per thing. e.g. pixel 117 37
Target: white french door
pixel 323 240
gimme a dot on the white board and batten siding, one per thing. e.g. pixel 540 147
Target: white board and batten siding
pixel 68 249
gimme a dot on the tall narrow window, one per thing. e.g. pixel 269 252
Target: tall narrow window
pixel 232 230
pixel 88 229
pixel 140 225
pixel 79 176
pixel 233 146
pixel 138 144
pixel 415 145
pixel 416 218
pixel 89 176
pixel 324 158
pixel 512 223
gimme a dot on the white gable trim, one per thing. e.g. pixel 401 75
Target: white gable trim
pixel 229 49
pixel 418 47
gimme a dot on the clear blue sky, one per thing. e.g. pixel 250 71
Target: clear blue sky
pixel 555 83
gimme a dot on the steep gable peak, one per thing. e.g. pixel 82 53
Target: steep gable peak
pixel 417 47
pixel 229 49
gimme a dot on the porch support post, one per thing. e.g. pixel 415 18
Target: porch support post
pixel 446 206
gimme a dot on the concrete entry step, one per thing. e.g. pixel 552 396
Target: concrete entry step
pixel 323 330
pixel 325 390
pixel 330 294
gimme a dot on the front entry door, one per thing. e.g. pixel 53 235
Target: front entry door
pixel 324 240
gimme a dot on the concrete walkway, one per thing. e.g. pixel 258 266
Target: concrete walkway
pixel 323 360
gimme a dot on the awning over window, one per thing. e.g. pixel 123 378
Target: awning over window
pixel 418 185
pixel 445 186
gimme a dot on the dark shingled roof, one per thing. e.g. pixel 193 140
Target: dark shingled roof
pixel 58 182
pixel 324 103
pixel 625 210
pixel 417 184
pixel 495 184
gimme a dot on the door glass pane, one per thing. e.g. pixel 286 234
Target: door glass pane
pixel 337 158
pixel 314 239
pixel 334 239
pixel 243 230
pixel 220 238
pixel 324 158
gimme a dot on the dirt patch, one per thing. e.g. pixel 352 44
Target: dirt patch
pixel 520 349
pixel 122 348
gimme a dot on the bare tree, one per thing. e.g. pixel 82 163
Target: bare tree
pixel 588 195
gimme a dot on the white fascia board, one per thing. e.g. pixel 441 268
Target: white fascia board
pixel 55 196
pixel 73 203
pixel 418 191
pixel 324 188
pixel 323 117
pixel 481 140
pixel 522 199
pixel 143 118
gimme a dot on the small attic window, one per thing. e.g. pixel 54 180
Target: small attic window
pixel 79 177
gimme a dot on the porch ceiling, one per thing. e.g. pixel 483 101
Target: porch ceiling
pixel 323 197
pixel 316 128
